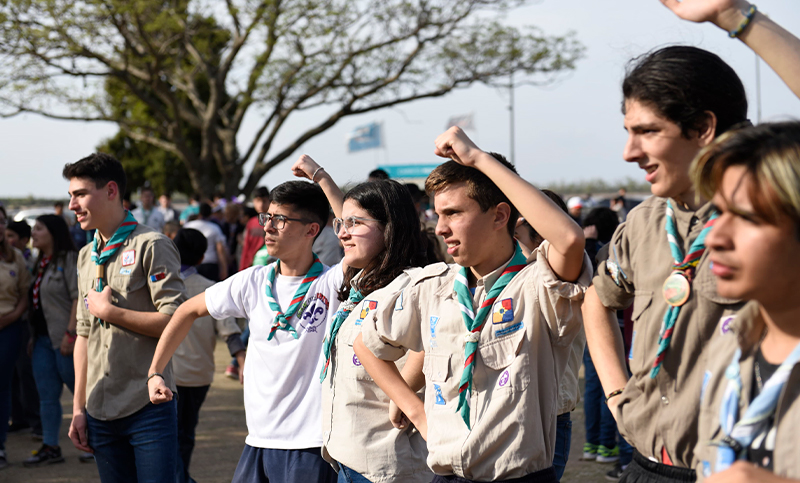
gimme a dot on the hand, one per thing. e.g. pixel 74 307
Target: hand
pixel 725 14
pixel 77 432
pixel 396 416
pixel 67 345
pixel 99 302
pixel 305 167
pixel 456 145
pixel 590 232
pixel 240 357
pixel 158 390
pixel 745 472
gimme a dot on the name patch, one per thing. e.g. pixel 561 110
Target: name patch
pixel 509 330
pixel 125 271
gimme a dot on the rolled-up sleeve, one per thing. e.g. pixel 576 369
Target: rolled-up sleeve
pixel 614 279
pixel 394 328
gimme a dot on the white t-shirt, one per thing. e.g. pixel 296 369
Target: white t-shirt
pixel 282 392
pixel 213 234
pixel 152 218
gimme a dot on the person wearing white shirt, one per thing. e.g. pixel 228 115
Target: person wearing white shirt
pixel 146 213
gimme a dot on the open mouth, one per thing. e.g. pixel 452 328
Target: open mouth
pixel 651 172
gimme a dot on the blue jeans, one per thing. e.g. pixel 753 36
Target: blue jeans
pixel 51 371
pixel 245 337
pixel 140 448
pixel 346 475
pixel 600 425
pixel 9 350
pixel 625 451
pixel 563 440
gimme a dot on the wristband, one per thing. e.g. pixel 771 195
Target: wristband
pixel 315 173
pixel 748 17
pixel 71 336
pixel 146 383
pixel 614 393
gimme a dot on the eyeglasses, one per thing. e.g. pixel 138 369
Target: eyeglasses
pixel 277 221
pixel 349 223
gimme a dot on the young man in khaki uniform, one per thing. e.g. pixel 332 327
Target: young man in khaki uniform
pixel 128 287
pixel 496 329
pixel 676 101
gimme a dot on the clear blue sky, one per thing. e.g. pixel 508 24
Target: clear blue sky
pixel 569 131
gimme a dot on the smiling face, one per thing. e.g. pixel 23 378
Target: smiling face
pixel 365 241
pixel 90 203
pixel 41 237
pixel 296 237
pixel 658 147
pixel 752 259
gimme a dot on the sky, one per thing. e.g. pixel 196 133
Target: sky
pixel 565 132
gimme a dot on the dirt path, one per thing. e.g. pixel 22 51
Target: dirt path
pixel 220 439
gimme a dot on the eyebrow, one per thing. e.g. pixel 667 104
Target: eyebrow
pixel 642 127
pixel 78 192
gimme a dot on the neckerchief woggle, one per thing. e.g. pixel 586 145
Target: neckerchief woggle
pixel 739 434
pixel 113 244
pixel 684 265
pixel 341 315
pixel 281 318
pixel 475 322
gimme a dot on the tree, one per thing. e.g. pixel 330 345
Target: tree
pixel 203 67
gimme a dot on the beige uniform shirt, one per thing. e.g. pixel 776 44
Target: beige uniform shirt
pixel 15 279
pixel 745 333
pixel 569 393
pixel 356 430
pixel 193 361
pixel 144 275
pixel 59 288
pixel 662 412
pixel 522 354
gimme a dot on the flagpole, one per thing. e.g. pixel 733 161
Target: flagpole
pixel 511 115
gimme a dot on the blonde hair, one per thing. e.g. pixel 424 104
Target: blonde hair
pixel 770 154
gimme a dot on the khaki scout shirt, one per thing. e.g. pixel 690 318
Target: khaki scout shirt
pixel 15 279
pixel 356 431
pixel 522 352
pixel 745 333
pixel 661 413
pixel 59 288
pixel 118 359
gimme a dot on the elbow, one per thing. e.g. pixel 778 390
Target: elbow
pixel 574 243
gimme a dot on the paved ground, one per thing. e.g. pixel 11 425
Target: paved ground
pixel 220 438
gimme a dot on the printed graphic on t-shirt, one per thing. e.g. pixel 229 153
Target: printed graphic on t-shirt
pixel 314 310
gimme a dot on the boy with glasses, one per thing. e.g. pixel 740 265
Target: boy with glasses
pixel 287 303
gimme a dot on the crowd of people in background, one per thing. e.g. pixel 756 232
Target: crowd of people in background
pixel 393 333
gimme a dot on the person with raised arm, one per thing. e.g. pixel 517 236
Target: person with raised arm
pixel 496 327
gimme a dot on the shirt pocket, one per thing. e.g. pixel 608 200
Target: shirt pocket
pixel 126 286
pixel 637 355
pixel 439 384
pixel 508 368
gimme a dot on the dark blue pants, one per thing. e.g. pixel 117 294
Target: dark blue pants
pixel 189 401
pixel 563 440
pixel 140 448
pixel 51 371
pixel 600 425
pixel 9 350
pixel 346 475
pixel 262 465
pixel 24 396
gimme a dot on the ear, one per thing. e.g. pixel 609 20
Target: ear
pixel 113 191
pixel 707 131
pixel 502 212
pixel 313 229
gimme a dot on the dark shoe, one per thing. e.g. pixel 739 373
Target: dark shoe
pixel 616 473
pixel 86 458
pixel 46 455
pixel 17 427
pixel 3 461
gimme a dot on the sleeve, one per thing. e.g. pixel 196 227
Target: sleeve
pixel 227 298
pixel 614 279
pixel 71 275
pixel 332 279
pixel 226 327
pixel 83 316
pixel 395 327
pixel 235 344
pixel 162 267
pixel 559 301
pixel 219 237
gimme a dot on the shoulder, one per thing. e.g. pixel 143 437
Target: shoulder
pixel 432 274
pixel 144 235
pixel 19 258
pixel 643 212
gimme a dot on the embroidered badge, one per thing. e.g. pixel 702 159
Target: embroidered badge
pixel 356 362
pixel 365 308
pixel 612 269
pixel 128 257
pixel 509 330
pixel 158 276
pixel 86 302
pixel 725 324
pixel 439 398
pixel 503 379
pixel 503 311
pixel 125 271
pixel 434 321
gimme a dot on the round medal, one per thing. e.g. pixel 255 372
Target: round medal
pixel 676 289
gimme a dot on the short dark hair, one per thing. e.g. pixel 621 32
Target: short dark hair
pixel 378 174
pixel 683 82
pixel 192 245
pixel 205 210
pixel 101 168
pixel 21 228
pixel 305 197
pixel 59 204
pixel 605 220
pixel 479 187
pixel 261 192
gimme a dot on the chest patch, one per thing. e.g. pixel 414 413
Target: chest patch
pixel 437 389
pixel 125 271
pixel 503 311
pixel 365 309
pixel 725 324
pixel 504 377
pixel 128 258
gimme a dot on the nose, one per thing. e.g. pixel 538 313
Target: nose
pixel 633 149
pixel 342 233
pixel 73 204
pixel 719 238
pixel 442 227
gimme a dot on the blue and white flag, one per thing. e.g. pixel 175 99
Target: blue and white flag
pixel 464 121
pixel 365 137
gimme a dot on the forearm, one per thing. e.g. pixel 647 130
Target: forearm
pixel 389 379
pixel 73 317
pixel 605 343
pixel 332 191
pixel 412 370
pixel 176 330
pixel 222 255
pixel 151 324
pixel 80 364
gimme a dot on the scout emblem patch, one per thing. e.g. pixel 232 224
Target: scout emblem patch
pixel 366 307
pixel 128 257
pixel 503 311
